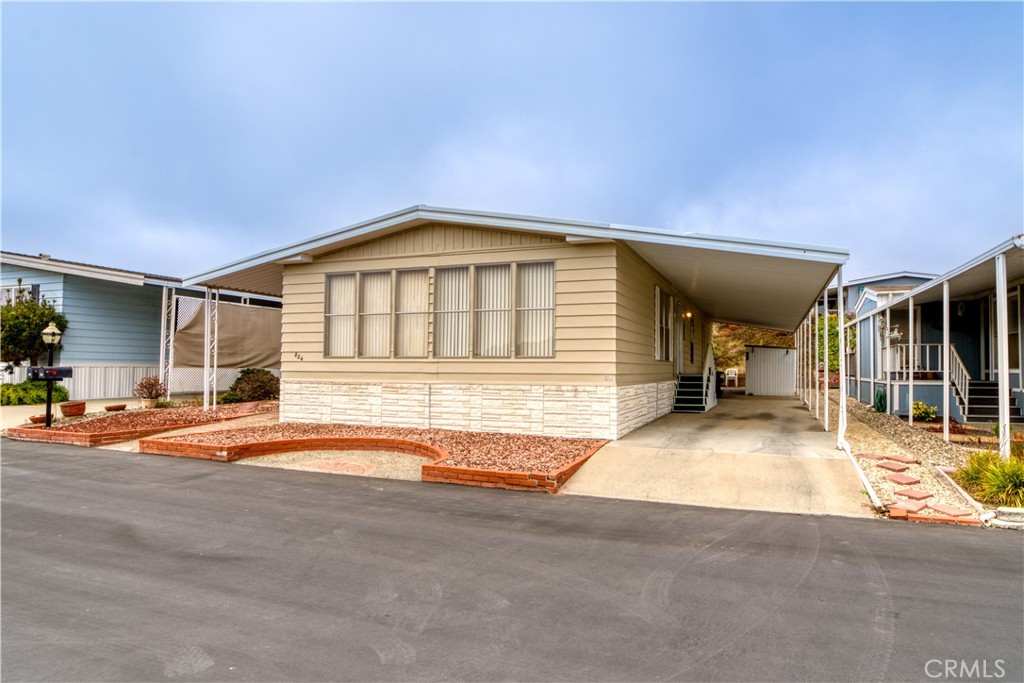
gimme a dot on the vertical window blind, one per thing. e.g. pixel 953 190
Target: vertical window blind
pixel 500 307
pixel 535 310
pixel 375 315
pixel 341 316
pixel 411 301
pixel 493 311
pixel 451 312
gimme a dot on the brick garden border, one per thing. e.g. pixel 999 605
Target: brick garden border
pixel 435 471
pixel 202 451
pixel 41 433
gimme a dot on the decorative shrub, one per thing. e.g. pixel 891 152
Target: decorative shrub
pixel 229 397
pixel 161 403
pixel 924 412
pixel 149 387
pixel 253 384
pixel 30 393
pixel 993 480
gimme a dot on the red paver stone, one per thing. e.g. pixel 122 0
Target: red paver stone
pixel 893 466
pixel 903 479
pixel 908 506
pixel 897 513
pixel 901 458
pixel 916 494
pixel 949 510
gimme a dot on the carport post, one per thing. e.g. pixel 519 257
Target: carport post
pixel 1002 358
pixel 887 362
pixel 824 389
pixel 843 384
pixel 811 348
pixel 911 363
pixel 814 367
pixel 945 361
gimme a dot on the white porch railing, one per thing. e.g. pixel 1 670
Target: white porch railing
pixel 916 358
pixel 958 376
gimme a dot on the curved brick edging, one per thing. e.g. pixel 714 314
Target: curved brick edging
pixel 435 471
pixel 185 449
pixel 517 481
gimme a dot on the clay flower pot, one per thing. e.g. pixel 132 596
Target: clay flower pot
pixel 37 419
pixel 148 402
pixel 115 408
pixel 72 408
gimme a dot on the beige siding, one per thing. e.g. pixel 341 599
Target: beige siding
pixel 585 309
pixel 635 324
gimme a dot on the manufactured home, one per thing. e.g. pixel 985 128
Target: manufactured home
pixel 459 319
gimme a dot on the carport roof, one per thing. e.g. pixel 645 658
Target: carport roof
pixel 751 282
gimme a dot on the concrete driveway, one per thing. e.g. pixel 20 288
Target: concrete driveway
pixel 748 453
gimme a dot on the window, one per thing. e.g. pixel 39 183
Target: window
pixel 375 315
pixel 8 294
pixel 509 309
pixel 451 312
pixel 340 337
pixel 493 311
pixel 663 324
pixel 411 304
pixel 535 310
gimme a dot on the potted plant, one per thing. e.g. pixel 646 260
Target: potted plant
pixel 149 389
pixel 72 408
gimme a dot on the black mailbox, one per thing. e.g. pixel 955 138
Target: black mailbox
pixel 52 374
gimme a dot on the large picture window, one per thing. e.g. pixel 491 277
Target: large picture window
pixel 500 310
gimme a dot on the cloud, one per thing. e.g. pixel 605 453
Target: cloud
pixel 513 165
pixel 943 192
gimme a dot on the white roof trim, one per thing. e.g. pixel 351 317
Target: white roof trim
pixel 37 263
pixel 1016 242
pixel 530 224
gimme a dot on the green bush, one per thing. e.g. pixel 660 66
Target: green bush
pixel 253 384
pixel 229 397
pixel 993 480
pixel 163 403
pixel 924 412
pixel 30 393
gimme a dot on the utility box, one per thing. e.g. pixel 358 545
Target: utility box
pixel 771 371
pixel 52 374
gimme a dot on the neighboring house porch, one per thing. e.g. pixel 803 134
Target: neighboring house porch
pixel 966 321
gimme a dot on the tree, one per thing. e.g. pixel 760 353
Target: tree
pixel 22 319
pixel 730 343
pixel 833 339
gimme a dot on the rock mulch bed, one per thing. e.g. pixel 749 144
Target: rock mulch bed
pixel 381 464
pixel 877 434
pixel 475 450
pixel 161 417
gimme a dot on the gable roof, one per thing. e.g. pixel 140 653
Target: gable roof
pixel 48 263
pixel 752 282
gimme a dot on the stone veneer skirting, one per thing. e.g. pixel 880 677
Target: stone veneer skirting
pixel 598 412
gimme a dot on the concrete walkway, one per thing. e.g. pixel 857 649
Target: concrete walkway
pixel 749 453
pixel 15 416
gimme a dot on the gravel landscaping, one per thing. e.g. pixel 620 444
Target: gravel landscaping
pixel 480 450
pixel 881 434
pixel 158 417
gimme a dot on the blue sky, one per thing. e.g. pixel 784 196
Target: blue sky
pixel 175 137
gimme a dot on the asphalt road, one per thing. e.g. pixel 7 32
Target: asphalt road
pixel 126 567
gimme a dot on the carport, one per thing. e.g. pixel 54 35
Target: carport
pixel 750 452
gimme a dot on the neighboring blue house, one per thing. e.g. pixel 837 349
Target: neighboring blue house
pixel 113 334
pixel 113 337
pixel 867 292
pixel 970 315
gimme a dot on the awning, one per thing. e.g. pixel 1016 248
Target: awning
pixel 750 282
